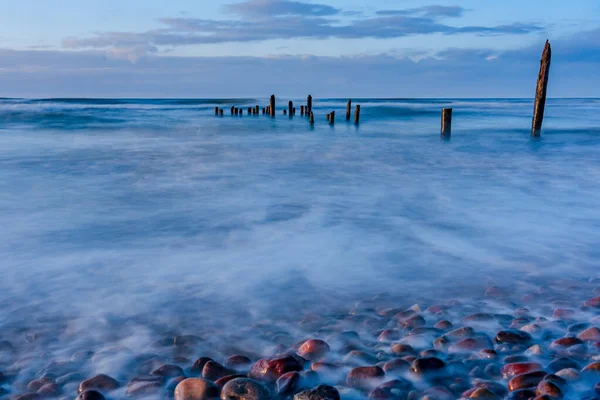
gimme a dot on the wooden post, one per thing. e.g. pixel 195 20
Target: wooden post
pixel 309 103
pixel 329 117
pixel 348 109
pixel 291 108
pixel 272 106
pixel 236 111
pixel 232 109
pixel 263 111
pixel 284 111
pixel 221 112
pixel 294 111
pixel 446 122
pixel 540 92
pixel 241 111
pixel 257 108
pixel 311 119
pixel 216 110
pixel 357 114
pixel 249 110
pixel 301 111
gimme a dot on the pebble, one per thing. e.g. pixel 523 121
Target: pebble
pixel 270 370
pixel 90 395
pixel 99 382
pixel 321 392
pixel 365 378
pixel 196 389
pixel 244 389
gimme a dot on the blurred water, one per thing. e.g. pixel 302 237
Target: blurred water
pixel 126 206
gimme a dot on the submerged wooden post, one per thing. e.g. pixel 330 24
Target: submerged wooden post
pixel 540 92
pixel 257 108
pixel 272 106
pixel 301 111
pixel 236 111
pixel 309 103
pixel 249 110
pixel 332 118
pixel 348 108
pixel 446 122
pixel 241 111
pixel 216 110
pixel 290 107
pixel 311 119
pixel 221 112
pixel 263 110
pixel 357 114
pixel 294 111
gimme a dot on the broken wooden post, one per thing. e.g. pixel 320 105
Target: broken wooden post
pixel 249 110
pixel 540 92
pixel 216 110
pixel 232 109
pixel 446 122
pixel 328 116
pixel 332 118
pixel 301 111
pixel 236 111
pixel 263 111
pixel 241 110
pixel 284 111
pixel 348 108
pixel 290 107
pixel 294 111
pixel 311 119
pixel 272 106
pixel 257 108
pixel 309 103
pixel 221 112
pixel 357 114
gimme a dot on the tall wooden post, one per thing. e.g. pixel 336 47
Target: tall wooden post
pixel 249 110
pixel 216 110
pixel 232 109
pixel 291 108
pixel 257 108
pixel 357 114
pixel 446 122
pixel 294 111
pixel 272 106
pixel 309 103
pixel 348 108
pixel 540 92
pixel 332 118
pixel 312 118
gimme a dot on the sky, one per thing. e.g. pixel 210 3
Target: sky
pixel 333 48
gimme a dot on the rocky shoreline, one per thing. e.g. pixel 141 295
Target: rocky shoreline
pixel 500 344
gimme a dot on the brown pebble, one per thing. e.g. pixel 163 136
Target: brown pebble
pixel 321 392
pixel 565 343
pixel 444 325
pixel 590 335
pixel 526 381
pixel 466 331
pixel 99 382
pixel 288 383
pixel 510 370
pixel 36 385
pixel 239 363
pixel 270 370
pixel 222 381
pixel 415 321
pixel 427 365
pixel 549 388
pixel 50 390
pixel 400 349
pixel 522 394
pixel 365 377
pixel 594 302
pixel 484 394
pixel 144 386
pixel 471 344
pixel 90 395
pixel 244 389
pixel 28 396
pixel 313 349
pixel 396 365
pixel 213 370
pixel 593 367
pixel 513 336
pixel 168 371
pixel 196 389
pixel 199 364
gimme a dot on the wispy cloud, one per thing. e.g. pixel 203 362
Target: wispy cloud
pixel 263 20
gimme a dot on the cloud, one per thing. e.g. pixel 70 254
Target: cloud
pixel 263 20
pixel 449 73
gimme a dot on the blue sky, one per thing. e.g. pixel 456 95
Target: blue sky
pixel 387 48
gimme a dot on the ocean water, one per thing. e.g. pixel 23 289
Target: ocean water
pixel 119 205
pixel 125 220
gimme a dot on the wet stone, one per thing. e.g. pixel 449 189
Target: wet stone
pixel 565 343
pixel 50 390
pixel 484 394
pixel 569 374
pixel 270 370
pixel 199 364
pixel 245 389
pixel 144 386
pixel 513 336
pixel 510 370
pixel 562 363
pixel 444 325
pixel 594 302
pixel 28 396
pixel 427 365
pixel 222 381
pixel 397 365
pixel 288 383
pixel 169 371
pixel 591 334
pixel 549 388
pixel 99 382
pixel 321 392
pixel 213 370
pixel 526 381
pixel 313 349
pixel 196 389
pixel 523 394
pixel 37 384
pixel 365 377
pixel 239 363
pixel 401 349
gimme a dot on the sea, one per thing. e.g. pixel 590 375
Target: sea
pixel 158 210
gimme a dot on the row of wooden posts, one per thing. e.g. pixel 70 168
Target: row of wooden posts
pixel 446 131
pixel 305 110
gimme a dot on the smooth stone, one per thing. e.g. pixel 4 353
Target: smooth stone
pixel 562 363
pixel 321 392
pixel 168 371
pixel 50 390
pixel 397 365
pixel 270 370
pixel 427 365
pixel 590 335
pixel 288 383
pixel 510 370
pixel 245 389
pixel 222 381
pixel 565 343
pixel 199 364
pixel 28 396
pixel 526 381
pixel 513 336
pixel 569 374
pixel 313 349
pixel 98 382
pixel 196 389
pixel 213 370
pixel 90 395
pixel 549 388
pixel 36 385
pixel 365 378
pixel 144 386
pixel 401 349
pixel 238 362
pixel 484 394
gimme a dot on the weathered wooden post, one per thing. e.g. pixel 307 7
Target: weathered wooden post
pixel 302 111
pixel 328 117
pixel 257 108
pixel 241 111
pixel 221 112
pixel 312 118
pixel 294 111
pixel 357 114
pixel 263 111
pixel 446 122
pixel 216 110
pixel 272 106
pixel 540 92
pixel 348 109
pixel 290 107
pixel 236 111
pixel 249 110
pixel 309 103
pixel 332 118
pixel 232 109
